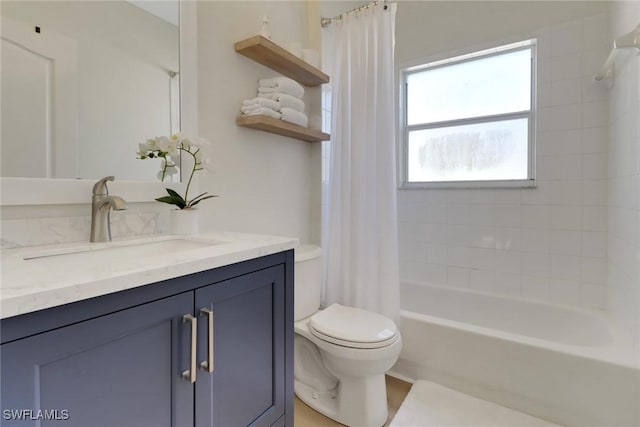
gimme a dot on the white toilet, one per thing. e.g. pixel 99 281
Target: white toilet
pixel 340 353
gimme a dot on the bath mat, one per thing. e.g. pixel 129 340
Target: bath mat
pixel 431 405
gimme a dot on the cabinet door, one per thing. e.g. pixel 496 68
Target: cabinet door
pixel 123 369
pixel 247 385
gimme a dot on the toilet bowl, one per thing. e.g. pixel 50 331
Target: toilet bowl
pixel 340 353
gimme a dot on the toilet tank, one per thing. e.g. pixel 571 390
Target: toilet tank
pixel 307 280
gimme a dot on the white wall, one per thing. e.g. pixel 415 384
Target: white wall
pixel 263 179
pixel 547 243
pixel 624 176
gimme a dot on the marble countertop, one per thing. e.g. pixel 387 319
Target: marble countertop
pixel 49 280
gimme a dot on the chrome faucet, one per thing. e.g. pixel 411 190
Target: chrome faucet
pixel 101 204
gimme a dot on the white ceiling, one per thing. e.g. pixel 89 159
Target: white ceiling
pixel 164 9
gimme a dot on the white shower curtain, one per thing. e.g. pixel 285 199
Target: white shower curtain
pixel 361 240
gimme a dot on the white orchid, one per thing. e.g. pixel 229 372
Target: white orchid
pixel 169 148
pixel 144 148
pixel 206 160
pixel 178 139
pixel 167 145
pixel 199 142
pixel 151 143
pixel 207 165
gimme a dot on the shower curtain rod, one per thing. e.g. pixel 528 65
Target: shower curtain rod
pixel 627 41
pixel 325 22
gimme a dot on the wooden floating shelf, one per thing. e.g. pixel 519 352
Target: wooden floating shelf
pixel 268 53
pixel 281 127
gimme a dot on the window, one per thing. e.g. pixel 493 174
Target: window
pixel 469 120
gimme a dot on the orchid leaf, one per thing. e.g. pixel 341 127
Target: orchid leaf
pixel 195 198
pixel 173 193
pixel 204 198
pixel 172 200
pixel 200 197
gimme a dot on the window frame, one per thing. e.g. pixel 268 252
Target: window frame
pixel 404 129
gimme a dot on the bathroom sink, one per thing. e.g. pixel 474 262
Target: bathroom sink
pixel 114 252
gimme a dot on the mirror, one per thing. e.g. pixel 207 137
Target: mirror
pixel 83 83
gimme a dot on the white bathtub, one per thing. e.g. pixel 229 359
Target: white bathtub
pixel 564 365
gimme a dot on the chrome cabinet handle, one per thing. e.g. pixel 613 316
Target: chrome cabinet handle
pixel 207 365
pixel 190 374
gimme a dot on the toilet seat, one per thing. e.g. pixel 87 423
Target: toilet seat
pixel 353 327
pixel 353 344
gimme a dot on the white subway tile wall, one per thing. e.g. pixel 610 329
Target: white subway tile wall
pixel 546 243
pixel 623 212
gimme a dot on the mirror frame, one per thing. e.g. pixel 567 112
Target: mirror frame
pixel 50 191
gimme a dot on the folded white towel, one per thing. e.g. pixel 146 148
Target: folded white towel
pixel 280 81
pixel 283 85
pixel 262 102
pixel 261 111
pixel 296 117
pixel 285 100
pixel 251 108
pixel 262 91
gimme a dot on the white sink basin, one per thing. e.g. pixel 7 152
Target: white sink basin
pixel 114 252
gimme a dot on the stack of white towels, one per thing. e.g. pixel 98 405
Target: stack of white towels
pixel 280 98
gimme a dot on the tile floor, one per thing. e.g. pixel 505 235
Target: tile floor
pixel 303 416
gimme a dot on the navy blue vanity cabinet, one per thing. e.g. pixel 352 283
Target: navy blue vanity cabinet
pixel 125 359
pixel 247 385
pixel 121 369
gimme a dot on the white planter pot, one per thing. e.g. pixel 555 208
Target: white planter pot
pixel 184 221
